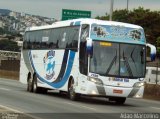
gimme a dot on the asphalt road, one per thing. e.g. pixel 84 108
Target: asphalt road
pixel 13 96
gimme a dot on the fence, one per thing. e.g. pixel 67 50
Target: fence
pixel 10 69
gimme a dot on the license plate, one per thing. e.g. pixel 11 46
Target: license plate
pixel 117 91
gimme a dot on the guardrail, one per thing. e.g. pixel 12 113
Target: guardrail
pixel 9 54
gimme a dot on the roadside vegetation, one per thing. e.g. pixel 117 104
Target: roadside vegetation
pixel 9 45
pixel 149 20
pixel 152 91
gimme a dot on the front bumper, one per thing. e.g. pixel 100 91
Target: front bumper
pixel 113 91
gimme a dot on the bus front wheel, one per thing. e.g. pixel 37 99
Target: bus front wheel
pixel 35 87
pixel 118 100
pixel 71 92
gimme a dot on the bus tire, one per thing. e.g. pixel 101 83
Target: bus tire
pixel 35 87
pixel 62 92
pixel 43 90
pixel 120 101
pixel 29 84
pixel 71 92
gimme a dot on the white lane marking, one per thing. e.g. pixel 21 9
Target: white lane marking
pixel 89 107
pixel 15 84
pixel 156 108
pixel 20 112
pixel 81 106
pixel 8 108
pixel 6 89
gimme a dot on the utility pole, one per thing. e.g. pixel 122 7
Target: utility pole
pixel 111 10
pixel 157 71
pixel 127 5
pixel 157 74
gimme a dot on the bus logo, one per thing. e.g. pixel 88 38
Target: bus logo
pixel 49 64
pixel 135 34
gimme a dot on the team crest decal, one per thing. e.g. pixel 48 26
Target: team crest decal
pixel 100 31
pixel 135 34
pixel 49 64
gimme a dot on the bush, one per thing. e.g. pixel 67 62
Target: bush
pixel 9 45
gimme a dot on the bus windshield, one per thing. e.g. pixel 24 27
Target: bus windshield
pixel 118 59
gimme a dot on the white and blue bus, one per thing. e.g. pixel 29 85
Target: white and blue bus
pixel 85 57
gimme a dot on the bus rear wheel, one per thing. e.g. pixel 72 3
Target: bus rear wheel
pixel 37 89
pixel 29 84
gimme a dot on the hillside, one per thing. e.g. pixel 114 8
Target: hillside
pixel 4 11
pixel 12 22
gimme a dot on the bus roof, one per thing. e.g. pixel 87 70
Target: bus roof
pixel 83 21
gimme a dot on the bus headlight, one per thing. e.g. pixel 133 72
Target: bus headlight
pixel 95 80
pixel 138 84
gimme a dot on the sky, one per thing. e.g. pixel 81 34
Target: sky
pixel 53 8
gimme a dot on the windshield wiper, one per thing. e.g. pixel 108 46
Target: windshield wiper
pixel 133 59
pixel 142 57
pixel 113 60
pixel 127 65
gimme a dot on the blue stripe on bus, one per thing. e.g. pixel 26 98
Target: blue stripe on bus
pixel 63 66
pixel 66 75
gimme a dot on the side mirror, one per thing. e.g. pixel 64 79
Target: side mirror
pixel 89 46
pixel 152 51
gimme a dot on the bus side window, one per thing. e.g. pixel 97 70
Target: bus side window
pixel 53 39
pixel 25 41
pixel 62 40
pixel 83 61
pixel 72 34
pixel 74 37
pixel 38 38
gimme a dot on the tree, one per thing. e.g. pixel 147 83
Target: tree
pixel 149 20
pixel 158 45
pixel 103 17
pixel 120 15
pixel 1 31
pixel 8 45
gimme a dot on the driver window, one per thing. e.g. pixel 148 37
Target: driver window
pixel 83 61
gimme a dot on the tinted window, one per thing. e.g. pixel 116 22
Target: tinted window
pixel 59 38
pixel 119 60
pixel 83 61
